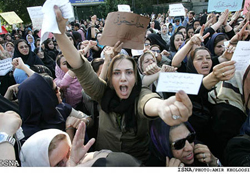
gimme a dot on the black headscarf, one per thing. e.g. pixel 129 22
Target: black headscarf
pixel 112 103
pixel 30 59
pixel 38 105
pixel 157 39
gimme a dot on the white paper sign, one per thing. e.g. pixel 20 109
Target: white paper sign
pixel 124 8
pixel 49 18
pixel 36 16
pixel 5 66
pixel 174 82
pixel 176 10
pixel 242 55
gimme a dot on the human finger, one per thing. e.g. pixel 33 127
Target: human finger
pixel 181 96
pixel 206 36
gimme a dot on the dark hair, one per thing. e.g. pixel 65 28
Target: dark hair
pixel 46 42
pixel 193 53
pixel 192 12
pixel 96 63
pixel 48 79
pixel 188 28
pixel 179 28
pixel 172 46
pixel 77 25
pixel 219 38
pixel 196 21
pixel 36 50
pixel 58 59
pixel 19 41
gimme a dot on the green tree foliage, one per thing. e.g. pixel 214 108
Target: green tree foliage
pixel 20 7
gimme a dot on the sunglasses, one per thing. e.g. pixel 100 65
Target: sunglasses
pixel 177 21
pixel 158 51
pixel 22 47
pixel 146 44
pixel 179 144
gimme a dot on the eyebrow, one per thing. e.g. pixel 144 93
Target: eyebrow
pixel 125 69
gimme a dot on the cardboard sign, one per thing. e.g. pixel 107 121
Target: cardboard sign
pixel 124 8
pixel 126 27
pixel 245 6
pixel 11 18
pixel 36 16
pixel 174 82
pixel 222 5
pixel 176 10
pixel 242 55
pixel 5 66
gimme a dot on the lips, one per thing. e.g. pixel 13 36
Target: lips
pixel 124 90
pixel 189 156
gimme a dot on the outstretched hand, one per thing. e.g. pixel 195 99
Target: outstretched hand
pixel 78 149
pixel 179 105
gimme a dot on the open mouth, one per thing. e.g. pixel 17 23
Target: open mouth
pixel 190 156
pixel 124 89
pixel 205 67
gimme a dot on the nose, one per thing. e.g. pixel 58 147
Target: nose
pixel 188 146
pixel 123 76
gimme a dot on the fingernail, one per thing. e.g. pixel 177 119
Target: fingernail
pixel 181 92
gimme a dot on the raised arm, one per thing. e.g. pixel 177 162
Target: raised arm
pixel 182 53
pixel 69 51
pixel 18 63
pixel 172 111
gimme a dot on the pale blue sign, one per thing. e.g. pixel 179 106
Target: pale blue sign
pixel 222 5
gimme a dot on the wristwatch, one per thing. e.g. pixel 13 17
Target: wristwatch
pixel 6 138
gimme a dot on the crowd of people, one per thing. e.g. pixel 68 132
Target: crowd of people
pixel 80 103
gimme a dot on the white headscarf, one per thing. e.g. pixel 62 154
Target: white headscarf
pixel 35 150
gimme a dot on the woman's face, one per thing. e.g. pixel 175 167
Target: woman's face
pixel 9 48
pixel 123 78
pixel 202 62
pixel 186 154
pixel 23 48
pixel 183 31
pixel 30 39
pixel 170 28
pixel 190 32
pixel 51 45
pixel 178 40
pixel 98 37
pixel 8 37
pixel 219 48
pixel 63 64
pixel 40 54
pixel 60 155
pixel 148 60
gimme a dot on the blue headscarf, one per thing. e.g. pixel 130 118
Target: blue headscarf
pixel 32 44
pixel 210 44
